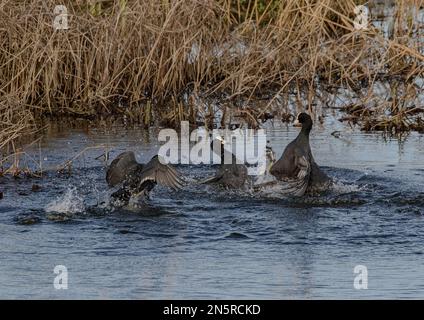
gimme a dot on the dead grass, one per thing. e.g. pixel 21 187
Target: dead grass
pixel 143 59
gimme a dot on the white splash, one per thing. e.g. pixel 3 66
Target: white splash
pixel 265 186
pixel 340 187
pixel 70 202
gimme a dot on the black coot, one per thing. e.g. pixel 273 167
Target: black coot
pixel 229 175
pixel 297 166
pixel 139 179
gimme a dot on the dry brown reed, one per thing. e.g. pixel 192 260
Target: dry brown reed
pixel 143 58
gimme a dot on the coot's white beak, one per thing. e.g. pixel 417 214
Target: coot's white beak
pixel 220 139
pixel 270 154
pixel 296 123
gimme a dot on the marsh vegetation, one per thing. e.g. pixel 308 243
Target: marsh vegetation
pixel 160 62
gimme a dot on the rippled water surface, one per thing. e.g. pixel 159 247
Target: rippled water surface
pixel 206 243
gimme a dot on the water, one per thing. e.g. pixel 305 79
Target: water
pixel 206 243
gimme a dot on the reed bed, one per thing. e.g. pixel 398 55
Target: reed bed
pixel 152 61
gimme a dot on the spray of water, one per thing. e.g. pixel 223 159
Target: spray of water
pixel 69 202
pixel 340 187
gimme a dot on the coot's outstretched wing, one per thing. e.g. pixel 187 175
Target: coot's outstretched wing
pixel 229 175
pixel 297 186
pixel 213 179
pixel 120 167
pixel 162 174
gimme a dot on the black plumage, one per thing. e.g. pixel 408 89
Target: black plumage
pixel 229 175
pixel 137 178
pixel 297 166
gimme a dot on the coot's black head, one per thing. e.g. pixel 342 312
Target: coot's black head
pixel 218 140
pixel 303 120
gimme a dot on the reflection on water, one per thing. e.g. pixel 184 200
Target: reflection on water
pixel 207 243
